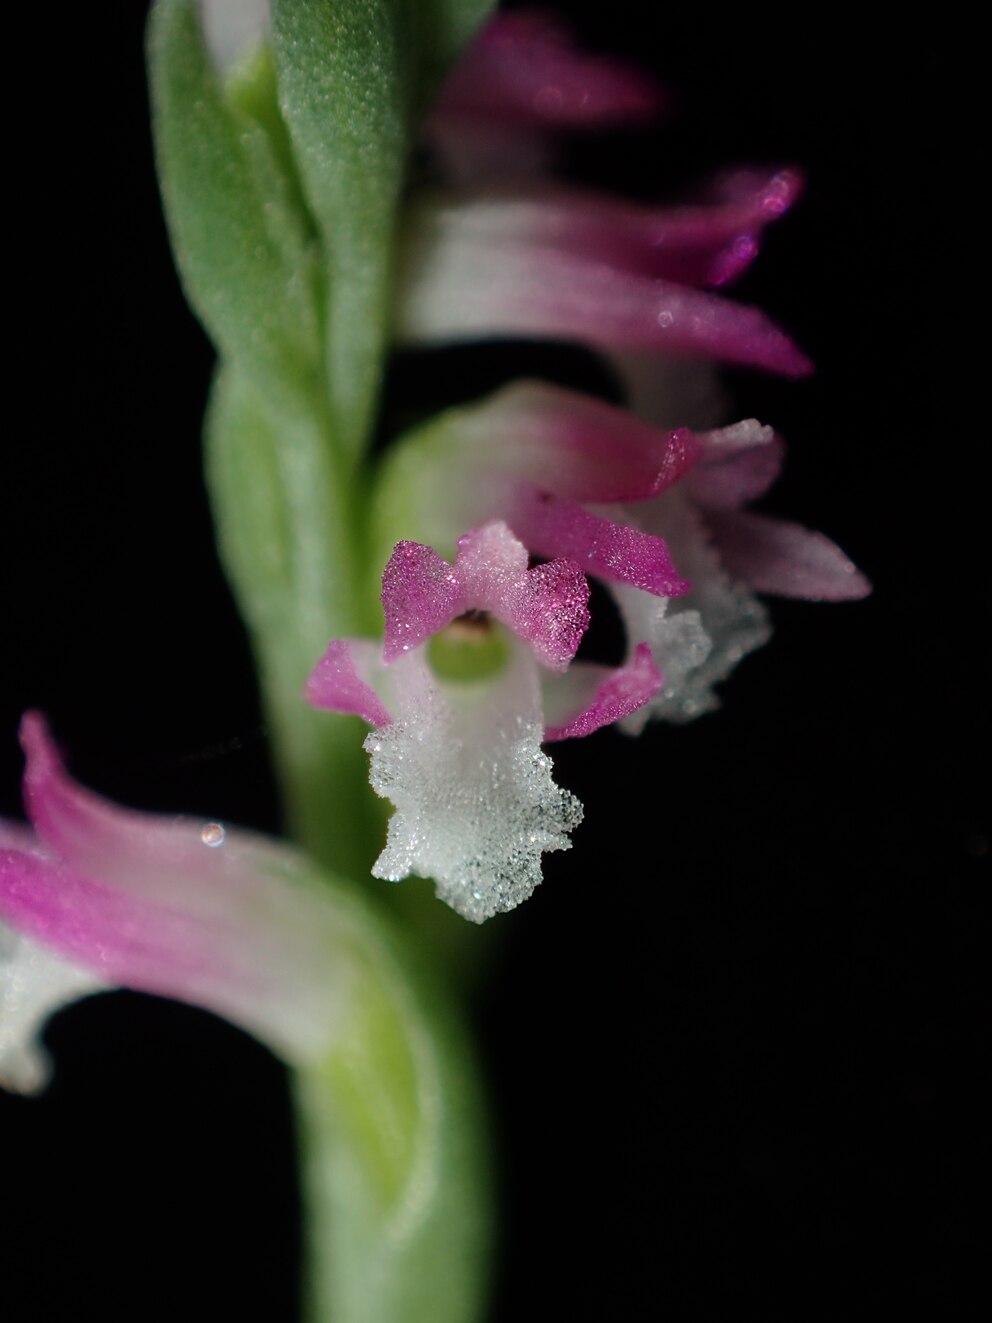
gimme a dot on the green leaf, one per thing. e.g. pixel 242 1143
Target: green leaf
pixel 345 86
pixel 355 77
pixel 396 1180
pixel 244 246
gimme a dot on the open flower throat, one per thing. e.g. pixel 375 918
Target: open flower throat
pixel 472 647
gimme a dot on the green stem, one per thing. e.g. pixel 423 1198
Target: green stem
pixel 289 526
pixel 395 1185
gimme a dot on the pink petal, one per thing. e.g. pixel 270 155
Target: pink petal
pixel 695 245
pixel 547 607
pixel 715 244
pixel 523 68
pixel 188 910
pixel 577 446
pixel 783 558
pixel 737 464
pixel 421 593
pixel 608 550
pixel 338 682
pixel 550 611
pixel 127 939
pixel 459 285
pixel 143 852
pixel 616 692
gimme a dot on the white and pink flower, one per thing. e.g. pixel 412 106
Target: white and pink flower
pixel 98 896
pixel 470 680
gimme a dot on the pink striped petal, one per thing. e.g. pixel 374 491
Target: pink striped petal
pixel 715 242
pixel 605 694
pixel 546 606
pixel 421 593
pixel 737 464
pixel 550 611
pixel 188 910
pixel 147 852
pixel 608 550
pixel 523 68
pixel 576 446
pixel 340 681
pixel 695 245
pixel 785 559
pixel 459 286
pixel 475 803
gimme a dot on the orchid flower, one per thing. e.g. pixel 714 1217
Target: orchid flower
pixel 103 897
pixel 455 695
pixel 638 508
pixel 284 134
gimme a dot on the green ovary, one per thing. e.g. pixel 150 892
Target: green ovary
pixel 473 647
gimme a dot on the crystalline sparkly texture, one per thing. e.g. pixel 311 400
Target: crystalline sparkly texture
pixel 462 761
pixel 475 803
pixel 546 607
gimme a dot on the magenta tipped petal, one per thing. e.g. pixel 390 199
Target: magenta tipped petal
pixel 524 69
pixel 336 683
pixel 709 244
pixel 610 694
pixel 786 559
pixel 420 595
pixel 578 447
pixel 608 550
pixel 551 613
pixel 123 848
pixel 546 606
pixel 459 286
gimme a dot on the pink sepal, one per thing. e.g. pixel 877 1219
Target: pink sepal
pixel 220 918
pixel 578 447
pixel 616 692
pixel 145 852
pixel 125 939
pixel 421 593
pixel 460 284
pixel 524 69
pixel 547 607
pixel 601 547
pixel 786 559
pixel 340 681
pixel 714 242
pixel 709 244
pixel 737 464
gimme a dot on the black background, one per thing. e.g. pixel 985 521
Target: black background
pixel 735 1041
